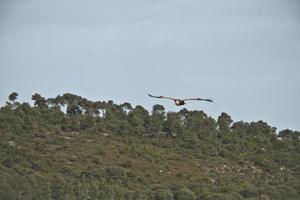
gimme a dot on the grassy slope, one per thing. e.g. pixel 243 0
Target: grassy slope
pixel 134 163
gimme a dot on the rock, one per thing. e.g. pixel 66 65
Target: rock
pixel 12 144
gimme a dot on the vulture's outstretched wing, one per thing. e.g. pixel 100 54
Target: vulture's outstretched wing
pixel 198 99
pixel 160 97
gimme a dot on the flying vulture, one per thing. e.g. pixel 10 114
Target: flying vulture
pixel 180 102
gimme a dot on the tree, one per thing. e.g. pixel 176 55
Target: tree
pixel 289 134
pixel 224 122
pixel 39 101
pixel 139 119
pixel 73 103
pixel 173 124
pixel 13 104
pixel 157 108
pixel 260 128
pixel 13 96
pixel 126 107
pixel 157 119
pixel 240 128
pixel 197 122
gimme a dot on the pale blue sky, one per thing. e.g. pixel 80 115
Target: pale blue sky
pixel 243 54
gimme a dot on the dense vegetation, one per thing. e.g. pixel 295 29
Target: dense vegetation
pixel 71 148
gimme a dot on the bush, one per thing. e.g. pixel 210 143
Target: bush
pixel 280 192
pixel 249 191
pixel 163 194
pixel 116 173
pixel 184 194
pixel 225 196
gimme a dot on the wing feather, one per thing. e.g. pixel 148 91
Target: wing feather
pixel 160 97
pixel 198 99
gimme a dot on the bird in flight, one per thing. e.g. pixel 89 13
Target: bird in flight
pixel 180 102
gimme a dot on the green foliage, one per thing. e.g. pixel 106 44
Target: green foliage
pixel 173 124
pixel 224 122
pixel 102 150
pixel 224 196
pixel 139 119
pixel 13 96
pixel 39 101
pixel 157 119
pixel 163 194
pixel 184 194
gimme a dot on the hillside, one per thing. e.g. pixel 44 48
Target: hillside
pixel 101 150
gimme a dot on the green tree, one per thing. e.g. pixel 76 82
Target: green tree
pixel 173 124
pixel 126 107
pixel 157 119
pixel 224 123
pixel 260 128
pixel 198 123
pixel 289 134
pixel 13 96
pixel 13 104
pixel 139 120
pixel 39 101
pixel 240 128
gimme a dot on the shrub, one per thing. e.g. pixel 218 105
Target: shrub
pixel 184 194
pixel 116 173
pixel 225 196
pixel 249 191
pixel 163 194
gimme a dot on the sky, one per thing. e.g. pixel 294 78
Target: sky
pixel 243 54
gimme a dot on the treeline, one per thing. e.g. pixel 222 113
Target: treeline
pixel 71 112
pixel 256 162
